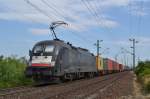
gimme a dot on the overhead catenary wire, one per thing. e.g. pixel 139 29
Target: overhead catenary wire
pixel 62 13
pixel 139 22
pixel 51 5
pixel 53 8
pixel 140 17
pixel 40 10
pixel 97 7
pixel 86 4
pixel 44 13
pixel 130 23
pixel 97 17
pixel 130 18
pixel 95 12
pixel 59 12
pixel 100 16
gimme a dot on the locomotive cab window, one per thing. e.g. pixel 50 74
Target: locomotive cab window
pixel 38 49
pixel 49 48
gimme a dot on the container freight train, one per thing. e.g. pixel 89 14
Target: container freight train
pixel 54 60
pixel 107 66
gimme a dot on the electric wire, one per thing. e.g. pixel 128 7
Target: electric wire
pixel 53 8
pixel 100 16
pixel 130 18
pixel 91 12
pixel 139 22
pixel 62 13
pixel 43 12
pixel 140 17
pixel 95 12
pixel 40 10
pixel 97 17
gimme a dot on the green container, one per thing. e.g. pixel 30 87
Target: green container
pixel 105 64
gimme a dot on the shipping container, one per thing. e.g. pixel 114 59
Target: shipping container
pixel 117 66
pixel 99 61
pixel 114 65
pixel 105 64
pixel 120 67
pixel 110 64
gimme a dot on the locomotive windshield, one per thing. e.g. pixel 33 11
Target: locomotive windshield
pixel 49 48
pixel 38 49
pixel 43 49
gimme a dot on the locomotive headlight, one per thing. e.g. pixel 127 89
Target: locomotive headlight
pixel 53 63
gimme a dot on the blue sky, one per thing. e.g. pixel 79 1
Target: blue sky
pixel 22 25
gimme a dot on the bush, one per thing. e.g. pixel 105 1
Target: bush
pixel 12 72
pixel 143 73
pixel 147 87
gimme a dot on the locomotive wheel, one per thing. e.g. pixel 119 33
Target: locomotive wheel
pixel 91 75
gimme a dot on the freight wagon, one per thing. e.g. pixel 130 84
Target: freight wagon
pixel 121 67
pixel 110 66
pixel 115 66
pixel 107 65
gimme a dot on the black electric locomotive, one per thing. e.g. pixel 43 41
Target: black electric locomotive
pixel 56 60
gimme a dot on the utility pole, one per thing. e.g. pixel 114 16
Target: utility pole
pixel 98 46
pixel 97 56
pixel 133 53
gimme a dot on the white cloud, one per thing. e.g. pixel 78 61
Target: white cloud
pixel 71 11
pixel 39 31
pixel 109 23
pixel 25 17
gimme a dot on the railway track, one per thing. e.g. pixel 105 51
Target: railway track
pixel 86 90
pixel 79 89
pixel 12 90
